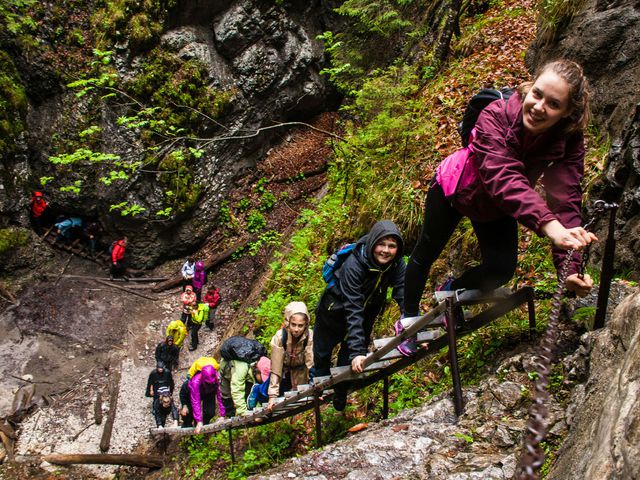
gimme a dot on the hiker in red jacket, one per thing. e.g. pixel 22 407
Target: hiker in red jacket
pixel 538 132
pixel 212 298
pixel 37 211
pixel 118 263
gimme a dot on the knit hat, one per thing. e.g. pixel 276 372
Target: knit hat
pixel 199 265
pixel 160 364
pixel 264 366
pixel 37 194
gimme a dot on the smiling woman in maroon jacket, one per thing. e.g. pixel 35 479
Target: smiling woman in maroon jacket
pixel 538 131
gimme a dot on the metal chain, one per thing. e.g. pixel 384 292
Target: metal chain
pixel 533 456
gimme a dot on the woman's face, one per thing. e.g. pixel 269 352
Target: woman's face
pixel 297 324
pixel 385 250
pixel 546 103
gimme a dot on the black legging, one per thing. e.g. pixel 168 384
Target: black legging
pixel 498 241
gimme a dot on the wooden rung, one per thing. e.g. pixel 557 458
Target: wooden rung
pixel 319 380
pixel 423 336
pixel 470 297
pixel 373 366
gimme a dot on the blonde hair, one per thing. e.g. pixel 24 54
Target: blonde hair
pixel 579 93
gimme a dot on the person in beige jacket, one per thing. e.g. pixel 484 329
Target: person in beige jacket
pixel 290 363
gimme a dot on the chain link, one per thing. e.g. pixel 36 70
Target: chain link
pixel 533 456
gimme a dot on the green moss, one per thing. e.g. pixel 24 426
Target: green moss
pixel 180 90
pixel 13 103
pixel 12 238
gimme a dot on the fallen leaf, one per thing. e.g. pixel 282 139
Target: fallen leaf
pixel 358 427
pixel 399 428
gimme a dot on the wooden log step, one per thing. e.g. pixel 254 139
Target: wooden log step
pixel 424 336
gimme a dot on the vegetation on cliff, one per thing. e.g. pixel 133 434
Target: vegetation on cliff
pixel 400 120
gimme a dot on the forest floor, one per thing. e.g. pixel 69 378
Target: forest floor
pixel 66 338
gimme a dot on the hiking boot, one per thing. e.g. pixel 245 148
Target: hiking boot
pixel 409 347
pixel 340 400
pixel 446 286
pixel 192 348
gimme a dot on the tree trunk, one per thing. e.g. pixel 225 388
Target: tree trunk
pixel 147 461
pixel 449 26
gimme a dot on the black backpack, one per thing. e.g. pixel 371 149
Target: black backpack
pixel 241 348
pixel 476 104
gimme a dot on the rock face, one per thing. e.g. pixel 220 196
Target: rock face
pixel 604 414
pixel 604 37
pixel 265 52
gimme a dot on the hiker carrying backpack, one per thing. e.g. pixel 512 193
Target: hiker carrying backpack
pixel 239 356
pixel 291 352
pixel 538 131
pixel 349 308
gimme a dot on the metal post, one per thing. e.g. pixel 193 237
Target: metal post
pixel 606 274
pixel 233 456
pixel 316 409
pixel 450 314
pixel 385 397
pixel 531 310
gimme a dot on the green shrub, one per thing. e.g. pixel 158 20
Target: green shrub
pixel 12 239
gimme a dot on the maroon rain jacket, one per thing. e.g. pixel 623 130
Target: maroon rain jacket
pixel 508 164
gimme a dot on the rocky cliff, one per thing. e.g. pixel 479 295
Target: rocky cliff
pixel 263 55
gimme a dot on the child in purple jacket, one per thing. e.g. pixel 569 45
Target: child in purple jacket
pixel 538 131
pixel 204 390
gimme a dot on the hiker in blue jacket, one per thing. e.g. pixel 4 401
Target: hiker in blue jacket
pixel 347 309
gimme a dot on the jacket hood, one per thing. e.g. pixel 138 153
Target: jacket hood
pixel 383 228
pixel 209 374
pixel 264 366
pixel 292 309
pixel 199 265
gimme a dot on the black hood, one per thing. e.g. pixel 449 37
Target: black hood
pixel 383 228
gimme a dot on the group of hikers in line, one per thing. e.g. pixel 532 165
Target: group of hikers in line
pixel 536 133
pixel 72 229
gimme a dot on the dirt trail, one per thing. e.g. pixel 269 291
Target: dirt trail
pixel 69 337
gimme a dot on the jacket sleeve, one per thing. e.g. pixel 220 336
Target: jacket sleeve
pixel 502 171
pixel 239 373
pixel 149 383
pixel 352 284
pixel 185 394
pixel 564 195
pixel 308 353
pixel 277 365
pixel 196 406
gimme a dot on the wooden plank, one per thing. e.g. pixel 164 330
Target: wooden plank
pixel 347 368
pixel 423 336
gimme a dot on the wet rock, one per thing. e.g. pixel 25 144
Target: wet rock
pixel 603 416
pixel 509 394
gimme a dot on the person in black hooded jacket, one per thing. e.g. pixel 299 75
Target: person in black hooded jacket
pixel 347 310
